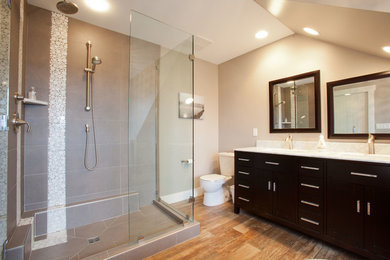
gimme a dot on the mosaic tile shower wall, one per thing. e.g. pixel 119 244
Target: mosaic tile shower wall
pixel 4 79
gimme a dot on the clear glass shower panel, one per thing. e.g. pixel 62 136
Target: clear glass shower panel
pixel 4 79
pixel 160 142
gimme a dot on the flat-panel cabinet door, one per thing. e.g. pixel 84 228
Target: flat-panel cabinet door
pixel 377 211
pixel 345 211
pixel 285 195
pixel 264 191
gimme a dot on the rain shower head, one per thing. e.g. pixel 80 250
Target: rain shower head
pixel 67 7
pixel 95 61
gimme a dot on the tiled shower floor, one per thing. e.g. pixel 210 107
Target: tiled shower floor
pixel 112 233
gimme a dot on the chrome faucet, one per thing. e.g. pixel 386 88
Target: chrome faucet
pixel 289 139
pixel 17 122
pixel 371 144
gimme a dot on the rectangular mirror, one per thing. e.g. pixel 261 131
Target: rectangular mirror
pixel 359 106
pixel 295 103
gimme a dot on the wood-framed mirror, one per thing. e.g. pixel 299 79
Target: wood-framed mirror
pixel 359 106
pixel 295 104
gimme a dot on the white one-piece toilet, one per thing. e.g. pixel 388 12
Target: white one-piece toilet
pixel 212 183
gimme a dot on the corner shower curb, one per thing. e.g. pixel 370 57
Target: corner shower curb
pixel 160 243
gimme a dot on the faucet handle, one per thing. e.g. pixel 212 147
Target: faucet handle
pixel 16 121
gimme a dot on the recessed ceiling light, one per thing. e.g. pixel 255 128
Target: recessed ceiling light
pixel 310 31
pixel 98 5
pixel 386 49
pixel 261 34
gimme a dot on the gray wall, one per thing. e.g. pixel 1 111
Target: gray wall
pixel 110 91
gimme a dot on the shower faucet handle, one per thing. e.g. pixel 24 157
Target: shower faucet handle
pixel 16 121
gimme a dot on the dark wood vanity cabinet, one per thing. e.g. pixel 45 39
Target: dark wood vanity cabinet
pixel 346 203
pixel 263 185
pixel 358 205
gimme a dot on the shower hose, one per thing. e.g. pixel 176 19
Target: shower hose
pixel 87 130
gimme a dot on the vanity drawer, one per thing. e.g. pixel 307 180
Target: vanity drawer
pixel 311 167
pixel 275 162
pixel 244 200
pixel 311 182
pixel 244 173
pixel 310 220
pixel 311 202
pixel 359 173
pixel 244 158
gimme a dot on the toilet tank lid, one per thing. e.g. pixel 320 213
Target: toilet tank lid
pixel 226 154
pixel 212 177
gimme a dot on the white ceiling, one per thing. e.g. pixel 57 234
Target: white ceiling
pixel 226 27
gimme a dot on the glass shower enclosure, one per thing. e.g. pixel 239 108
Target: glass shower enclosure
pixel 160 142
pixel 142 186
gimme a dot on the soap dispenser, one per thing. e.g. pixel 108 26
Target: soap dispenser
pixel 321 143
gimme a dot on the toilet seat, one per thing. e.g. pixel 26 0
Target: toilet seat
pixel 213 177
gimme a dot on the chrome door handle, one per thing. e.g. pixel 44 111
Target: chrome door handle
pixel 274 186
pixel 269 185
pixel 358 206
pixel 310 168
pixel 243 186
pixel 245 173
pixel 364 174
pixel 188 161
pixel 368 209
pixel 271 163
pixel 310 186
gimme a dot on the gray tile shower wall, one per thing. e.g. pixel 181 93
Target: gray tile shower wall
pixel 110 84
pixel 122 167
pixel 12 143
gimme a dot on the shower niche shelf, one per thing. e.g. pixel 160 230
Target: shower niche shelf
pixel 28 101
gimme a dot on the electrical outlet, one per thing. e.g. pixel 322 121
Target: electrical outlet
pixel 254 132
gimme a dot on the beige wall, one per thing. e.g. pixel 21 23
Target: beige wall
pixel 206 130
pixel 243 84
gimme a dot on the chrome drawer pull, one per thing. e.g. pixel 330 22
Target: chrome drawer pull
pixel 310 203
pixel 310 186
pixel 310 221
pixel 243 186
pixel 245 173
pixel 274 186
pixel 358 206
pixel 368 209
pixel 310 168
pixel 272 163
pixel 364 174
pixel 269 185
pixel 241 198
pixel 244 160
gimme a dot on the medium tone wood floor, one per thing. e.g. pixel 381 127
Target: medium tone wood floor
pixel 225 235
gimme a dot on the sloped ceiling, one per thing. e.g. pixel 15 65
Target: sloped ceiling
pixel 363 30
pixel 224 29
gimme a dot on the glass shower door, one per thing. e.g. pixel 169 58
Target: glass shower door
pixel 160 140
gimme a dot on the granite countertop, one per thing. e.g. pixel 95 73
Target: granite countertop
pixel 327 154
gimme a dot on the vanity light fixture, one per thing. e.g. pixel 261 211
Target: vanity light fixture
pixel 98 5
pixel 311 31
pixel 386 49
pixel 261 34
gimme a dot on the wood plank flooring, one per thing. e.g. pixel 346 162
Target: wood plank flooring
pixel 225 235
